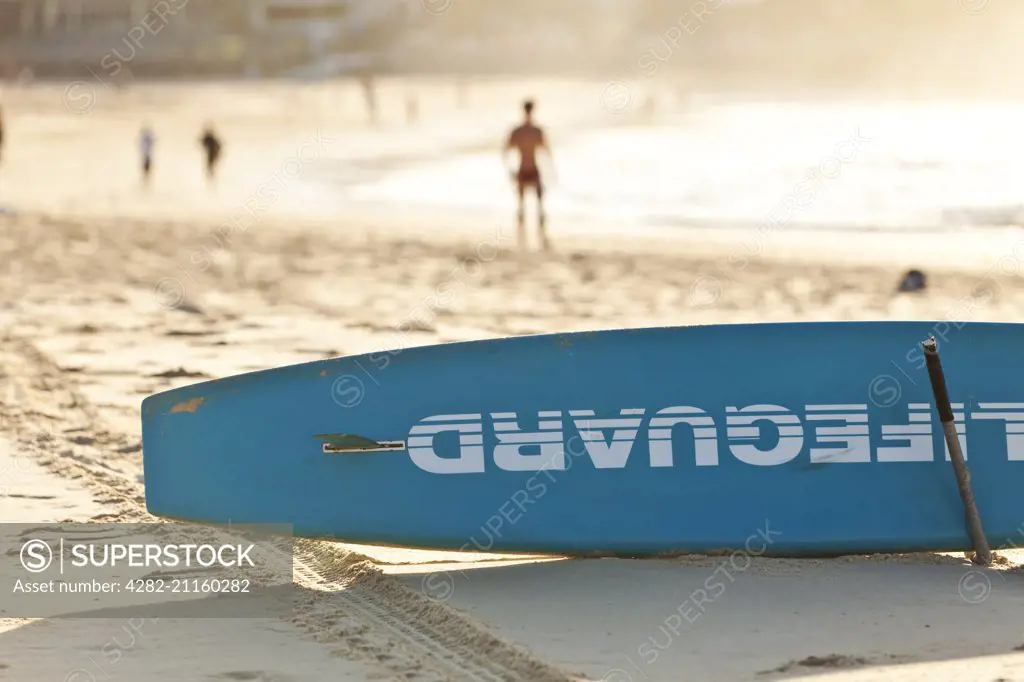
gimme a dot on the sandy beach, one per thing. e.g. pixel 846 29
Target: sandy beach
pixel 109 294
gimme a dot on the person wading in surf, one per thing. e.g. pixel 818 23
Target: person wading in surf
pixel 528 139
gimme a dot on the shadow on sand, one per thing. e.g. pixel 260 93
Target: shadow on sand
pixel 742 618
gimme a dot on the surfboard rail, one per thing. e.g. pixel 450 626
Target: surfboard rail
pixel 614 442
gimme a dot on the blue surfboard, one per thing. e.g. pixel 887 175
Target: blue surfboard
pixel 789 439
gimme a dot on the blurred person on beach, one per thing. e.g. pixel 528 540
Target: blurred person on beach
pixel 369 85
pixel 146 143
pixel 528 139
pixel 212 147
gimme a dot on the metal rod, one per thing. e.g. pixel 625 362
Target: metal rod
pixel 982 553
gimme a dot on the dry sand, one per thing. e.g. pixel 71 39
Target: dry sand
pixel 102 303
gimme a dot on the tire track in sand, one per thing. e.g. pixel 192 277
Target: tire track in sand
pixel 343 600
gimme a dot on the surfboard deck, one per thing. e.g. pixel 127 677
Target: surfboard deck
pixel 785 439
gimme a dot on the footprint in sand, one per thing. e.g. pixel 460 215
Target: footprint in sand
pixel 180 372
pixel 829 661
pixel 246 675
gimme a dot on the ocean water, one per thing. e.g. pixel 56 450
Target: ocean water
pixel 830 166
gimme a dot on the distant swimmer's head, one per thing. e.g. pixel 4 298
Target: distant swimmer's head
pixel 528 108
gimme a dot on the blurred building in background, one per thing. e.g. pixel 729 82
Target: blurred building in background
pixel 746 43
pixel 198 37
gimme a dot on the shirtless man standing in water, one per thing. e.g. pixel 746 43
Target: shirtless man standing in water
pixel 528 139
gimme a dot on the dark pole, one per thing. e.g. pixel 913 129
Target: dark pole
pixel 982 554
